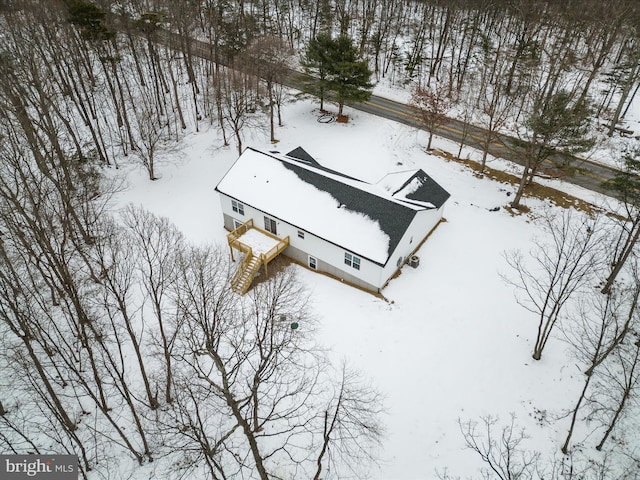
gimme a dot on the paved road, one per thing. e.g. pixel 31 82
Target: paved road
pixel 585 173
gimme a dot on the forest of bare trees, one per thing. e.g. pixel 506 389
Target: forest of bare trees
pixel 113 344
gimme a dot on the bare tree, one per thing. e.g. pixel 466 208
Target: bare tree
pixel 431 105
pixel 253 359
pixel 619 383
pixel 625 78
pixel 625 184
pixel 554 271
pixel 598 328
pixel 236 97
pixel 196 430
pixel 156 243
pixel 269 58
pixel 115 258
pixel 494 108
pixel 465 97
pixel 48 276
pixel 153 134
pixel 505 456
pixel 350 425
pixel 244 358
pixel 503 453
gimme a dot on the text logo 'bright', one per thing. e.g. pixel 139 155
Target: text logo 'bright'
pixel 49 467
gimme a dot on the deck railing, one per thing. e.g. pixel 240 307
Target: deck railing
pixel 264 258
pixel 233 236
pixel 275 251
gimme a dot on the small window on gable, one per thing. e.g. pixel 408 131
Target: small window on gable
pixel 300 234
pixel 237 207
pixel 352 260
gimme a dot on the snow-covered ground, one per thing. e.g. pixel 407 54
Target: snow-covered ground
pixel 450 342
pixel 607 151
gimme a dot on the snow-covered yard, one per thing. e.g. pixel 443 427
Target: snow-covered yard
pixel 450 342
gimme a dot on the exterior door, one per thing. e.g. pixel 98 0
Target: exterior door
pixel 270 225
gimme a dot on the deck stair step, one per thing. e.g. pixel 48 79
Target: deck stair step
pixel 243 278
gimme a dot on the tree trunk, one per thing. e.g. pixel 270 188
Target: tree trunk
pixel 628 387
pixel 623 98
pixel 620 263
pixel 521 186
pixel 271 121
pixel 565 446
pixel 237 413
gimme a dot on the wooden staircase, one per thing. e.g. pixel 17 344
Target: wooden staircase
pixel 251 263
pixel 243 278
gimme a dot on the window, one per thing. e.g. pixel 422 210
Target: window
pixel 352 260
pixel 270 225
pixel 300 234
pixel 348 259
pixel 313 262
pixel 237 207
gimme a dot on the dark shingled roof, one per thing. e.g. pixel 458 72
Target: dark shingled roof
pixel 393 214
pixel 428 191
pixel 394 218
pixel 301 154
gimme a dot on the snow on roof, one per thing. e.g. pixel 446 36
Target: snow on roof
pixel 258 241
pixel 301 154
pixel 412 187
pixel 392 182
pixel 415 187
pixel 362 218
pixel 264 182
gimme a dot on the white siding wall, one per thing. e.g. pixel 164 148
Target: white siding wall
pixel 325 252
pixel 423 223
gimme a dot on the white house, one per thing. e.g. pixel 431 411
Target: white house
pixel 356 231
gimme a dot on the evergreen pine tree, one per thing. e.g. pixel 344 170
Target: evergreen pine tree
pixel 348 77
pixel 316 63
pixel 336 68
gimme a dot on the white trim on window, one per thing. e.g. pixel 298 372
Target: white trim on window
pixel 352 260
pixel 270 225
pixel 313 262
pixel 237 207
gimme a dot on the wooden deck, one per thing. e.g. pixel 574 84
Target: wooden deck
pixel 250 265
